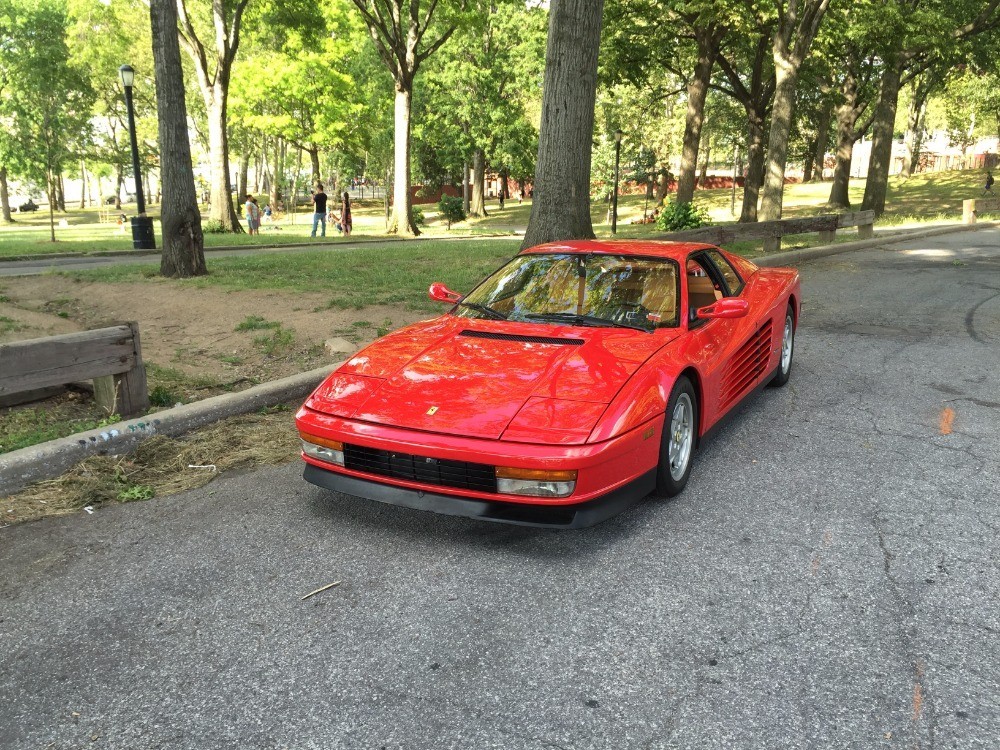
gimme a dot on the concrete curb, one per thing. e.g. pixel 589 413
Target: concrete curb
pixel 811 253
pixel 21 467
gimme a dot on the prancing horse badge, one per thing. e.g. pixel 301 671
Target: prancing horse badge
pixel 432 410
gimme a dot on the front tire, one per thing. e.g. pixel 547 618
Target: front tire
pixel 680 432
pixel 787 347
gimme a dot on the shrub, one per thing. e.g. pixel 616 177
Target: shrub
pixel 451 208
pixel 676 216
pixel 212 227
pixel 418 216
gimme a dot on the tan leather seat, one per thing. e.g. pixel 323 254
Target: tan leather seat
pixel 701 292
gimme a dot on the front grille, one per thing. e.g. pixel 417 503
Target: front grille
pixel 459 474
pixel 519 337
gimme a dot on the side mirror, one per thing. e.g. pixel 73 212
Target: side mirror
pixel 441 293
pixel 727 307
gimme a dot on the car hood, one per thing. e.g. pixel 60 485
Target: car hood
pixel 471 377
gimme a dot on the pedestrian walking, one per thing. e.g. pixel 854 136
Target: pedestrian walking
pixel 319 209
pixel 501 199
pixel 988 187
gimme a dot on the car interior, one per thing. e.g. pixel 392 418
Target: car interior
pixel 702 290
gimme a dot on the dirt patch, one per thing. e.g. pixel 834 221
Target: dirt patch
pixel 194 331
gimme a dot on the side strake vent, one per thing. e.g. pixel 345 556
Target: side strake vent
pixel 525 339
pixel 746 366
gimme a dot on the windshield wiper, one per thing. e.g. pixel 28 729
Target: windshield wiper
pixel 495 314
pixel 585 320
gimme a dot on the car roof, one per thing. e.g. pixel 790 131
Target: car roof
pixel 653 248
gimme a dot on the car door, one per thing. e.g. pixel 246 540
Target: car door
pixel 726 351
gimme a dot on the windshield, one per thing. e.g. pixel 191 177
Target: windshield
pixel 572 289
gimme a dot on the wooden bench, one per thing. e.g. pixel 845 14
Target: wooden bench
pixel 772 231
pixel 111 357
pixel 975 206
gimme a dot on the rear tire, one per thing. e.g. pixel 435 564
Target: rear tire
pixel 787 348
pixel 680 433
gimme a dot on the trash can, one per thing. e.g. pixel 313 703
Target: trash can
pixel 142 233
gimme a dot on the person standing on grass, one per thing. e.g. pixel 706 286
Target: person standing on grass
pixel 501 199
pixel 988 187
pixel 319 209
pixel 251 214
pixel 345 214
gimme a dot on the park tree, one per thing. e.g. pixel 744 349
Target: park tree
pixel 682 36
pixel 46 99
pixel 478 92
pixel 926 32
pixel 561 206
pixel 183 253
pixel 101 37
pixel 921 89
pixel 405 36
pixel 795 26
pixel 213 62
pixel 747 68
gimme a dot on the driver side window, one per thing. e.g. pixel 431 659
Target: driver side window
pixel 703 290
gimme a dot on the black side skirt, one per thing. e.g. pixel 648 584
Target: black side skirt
pixel 551 516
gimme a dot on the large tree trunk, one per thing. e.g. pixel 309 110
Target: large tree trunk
pixel 402 208
pixel 697 91
pixel 477 201
pixel 83 184
pixel 755 169
pixel 561 208
pixel 786 75
pixel 180 221
pixel 317 177
pixel 881 158
pixel 846 118
pixel 244 167
pixel 466 197
pixel 5 197
pixel 60 192
pixel 822 139
pixel 220 207
pixel 663 185
pixel 119 179
pixel 276 175
pixel 914 124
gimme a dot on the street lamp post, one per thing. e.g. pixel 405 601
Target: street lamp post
pixel 614 197
pixel 142 225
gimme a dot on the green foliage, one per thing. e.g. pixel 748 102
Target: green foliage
pixel 452 209
pixel 256 323
pixel 383 330
pixel 418 216
pixel 131 493
pixel 677 216
pixel 278 342
pixel 160 395
pixel 211 226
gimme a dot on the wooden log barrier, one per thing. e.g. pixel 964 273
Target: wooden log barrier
pixel 111 357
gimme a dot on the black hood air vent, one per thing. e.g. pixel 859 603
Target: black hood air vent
pixel 525 339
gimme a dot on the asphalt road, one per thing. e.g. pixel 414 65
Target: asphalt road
pixel 829 578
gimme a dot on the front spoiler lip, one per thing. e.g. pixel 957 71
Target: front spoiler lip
pixel 575 516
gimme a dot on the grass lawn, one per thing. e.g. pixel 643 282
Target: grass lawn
pixel 377 274
pixel 935 196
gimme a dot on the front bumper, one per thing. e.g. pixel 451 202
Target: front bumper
pixel 610 475
pixel 576 516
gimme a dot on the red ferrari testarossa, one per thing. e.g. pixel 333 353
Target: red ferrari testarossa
pixel 575 380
